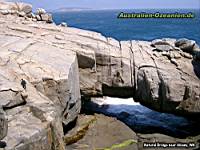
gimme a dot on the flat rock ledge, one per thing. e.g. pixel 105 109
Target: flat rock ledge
pixel 102 133
pixel 43 68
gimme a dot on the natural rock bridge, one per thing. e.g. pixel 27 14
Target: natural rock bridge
pixel 58 62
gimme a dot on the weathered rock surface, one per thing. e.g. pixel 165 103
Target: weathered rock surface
pixel 165 83
pixel 52 95
pixel 104 132
pixel 163 47
pixel 48 56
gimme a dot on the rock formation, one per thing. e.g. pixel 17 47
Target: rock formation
pixel 52 95
pixel 52 59
pixel 166 80
pixel 24 10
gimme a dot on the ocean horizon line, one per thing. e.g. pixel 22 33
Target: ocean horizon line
pixel 115 9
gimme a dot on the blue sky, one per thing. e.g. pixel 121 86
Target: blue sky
pixel 113 4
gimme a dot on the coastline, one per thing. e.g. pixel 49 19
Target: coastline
pixel 128 29
pixel 59 62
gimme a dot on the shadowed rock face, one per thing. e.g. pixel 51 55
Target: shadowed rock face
pixel 57 62
pixel 3 124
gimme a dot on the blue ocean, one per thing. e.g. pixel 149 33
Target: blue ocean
pixel 107 23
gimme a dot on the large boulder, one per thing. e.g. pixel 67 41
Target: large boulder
pixel 42 15
pixel 185 44
pixel 41 11
pixel 46 17
pixel 20 7
pixel 163 47
pixel 166 85
pixel 164 44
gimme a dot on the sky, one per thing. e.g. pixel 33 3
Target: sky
pixel 112 4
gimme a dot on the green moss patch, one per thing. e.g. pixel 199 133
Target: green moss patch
pixel 79 134
pixel 121 145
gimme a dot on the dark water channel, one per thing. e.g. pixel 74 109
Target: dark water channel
pixel 142 119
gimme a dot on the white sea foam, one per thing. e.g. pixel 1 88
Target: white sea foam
pixel 116 101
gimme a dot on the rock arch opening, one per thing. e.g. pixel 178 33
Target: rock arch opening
pixel 141 119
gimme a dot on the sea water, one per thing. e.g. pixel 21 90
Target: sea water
pixel 107 23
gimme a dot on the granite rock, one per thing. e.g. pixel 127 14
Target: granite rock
pixel 52 94
pixel 20 7
pixel 185 44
